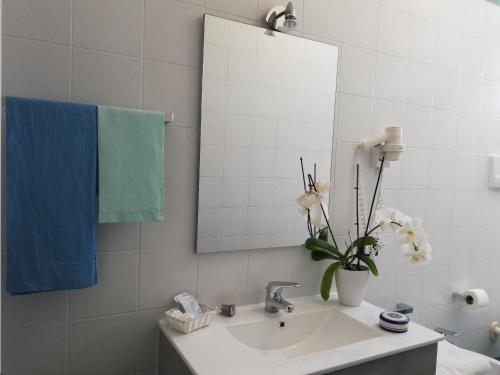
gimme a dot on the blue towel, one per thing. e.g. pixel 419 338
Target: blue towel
pixel 51 195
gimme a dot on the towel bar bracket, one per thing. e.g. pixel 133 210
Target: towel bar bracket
pixel 168 117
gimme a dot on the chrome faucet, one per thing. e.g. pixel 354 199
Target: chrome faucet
pixel 274 300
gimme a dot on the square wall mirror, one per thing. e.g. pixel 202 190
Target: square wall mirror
pixel 268 98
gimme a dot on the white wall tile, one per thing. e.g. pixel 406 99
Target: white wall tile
pixel 448 52
pixel 242 8
pixel 441 169
pixel 110 25
pixel 427 9
pixel 417 126
pixel 265 265
pixel 326 23
pixel 414 172
pixel 470 94
pixel 173 32
pixel 170 81
pixel 175 230
pixel 164 273
pixel 469 129
pixel 117 236
pixel 116 290
pixel 48 20
pixel 360 23
pixel 446 89
pixel 435 287
pixel 173 88
pixel 357 70
pixel 106 79
pixel 37 70
pixel 419 84
pixel 355 115
pixel 104 338
pixel 222 275
pixel 444 130
pixel 423 40
pixel 34 309
pixel 390 77
pixel 181 156
pixel 40 350
pixel 393 32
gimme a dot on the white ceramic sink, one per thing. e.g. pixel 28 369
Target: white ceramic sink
pixel 317 337
pixel 303 333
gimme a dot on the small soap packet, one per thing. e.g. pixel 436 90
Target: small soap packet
pixel 188 303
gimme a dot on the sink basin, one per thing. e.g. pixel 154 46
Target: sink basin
pixel 317 337
pixel 303 333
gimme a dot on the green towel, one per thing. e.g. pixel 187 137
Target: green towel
pixel 130 152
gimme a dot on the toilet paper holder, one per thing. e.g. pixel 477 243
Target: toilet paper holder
pixel 473 298
pixel 463 297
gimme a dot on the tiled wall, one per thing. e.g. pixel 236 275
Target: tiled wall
pixel 432 66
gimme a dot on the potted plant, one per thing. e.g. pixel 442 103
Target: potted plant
pixel 352 266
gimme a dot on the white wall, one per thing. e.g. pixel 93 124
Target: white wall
pixel 432 66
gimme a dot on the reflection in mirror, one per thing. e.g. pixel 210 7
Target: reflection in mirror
pixel 268 98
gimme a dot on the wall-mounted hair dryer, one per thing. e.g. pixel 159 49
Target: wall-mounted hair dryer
pixel 388 144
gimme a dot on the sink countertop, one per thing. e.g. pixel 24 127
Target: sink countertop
pixel 214 350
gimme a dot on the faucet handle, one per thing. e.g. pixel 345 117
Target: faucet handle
pixel 279 285
pixel 282 284
pixel 447 332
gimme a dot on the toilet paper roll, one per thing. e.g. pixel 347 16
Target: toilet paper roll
pixel 475 298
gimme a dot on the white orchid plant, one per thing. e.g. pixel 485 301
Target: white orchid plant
pixel 360 253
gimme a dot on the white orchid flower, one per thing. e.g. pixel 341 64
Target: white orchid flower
pixel 389 216
pixel 317 219
pixel 308 199
pixel 412 231
pixel 418 252
pixel 322 186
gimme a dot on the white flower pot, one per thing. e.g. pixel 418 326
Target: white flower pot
pixel 351 286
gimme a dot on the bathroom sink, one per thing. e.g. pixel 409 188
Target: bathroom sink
pixel 303 333
pixel 317 337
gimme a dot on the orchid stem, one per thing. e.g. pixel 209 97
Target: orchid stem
pixel 303 175
pixel 313 186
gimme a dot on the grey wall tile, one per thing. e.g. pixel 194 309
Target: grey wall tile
pixel 103 346
pixel 48 20
pixel 173 32
pixel 265 265
pixel 107 79
pixel 323 18
pixel 173 88
pixel 147 339
pixel 109 25
pixel 34 309
pixel 117 236
pixel 181 156
pixel 37 350
pixel 116 290
pixel 222 275
pixel 35 69
pixel 179 226
pixel 165 273
pixel 242 8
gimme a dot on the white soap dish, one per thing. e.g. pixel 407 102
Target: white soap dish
pixel 176 321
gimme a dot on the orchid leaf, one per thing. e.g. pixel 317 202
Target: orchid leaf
pixel 326 281
pixel 370 263
pixel 322 255
pixel 315 244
